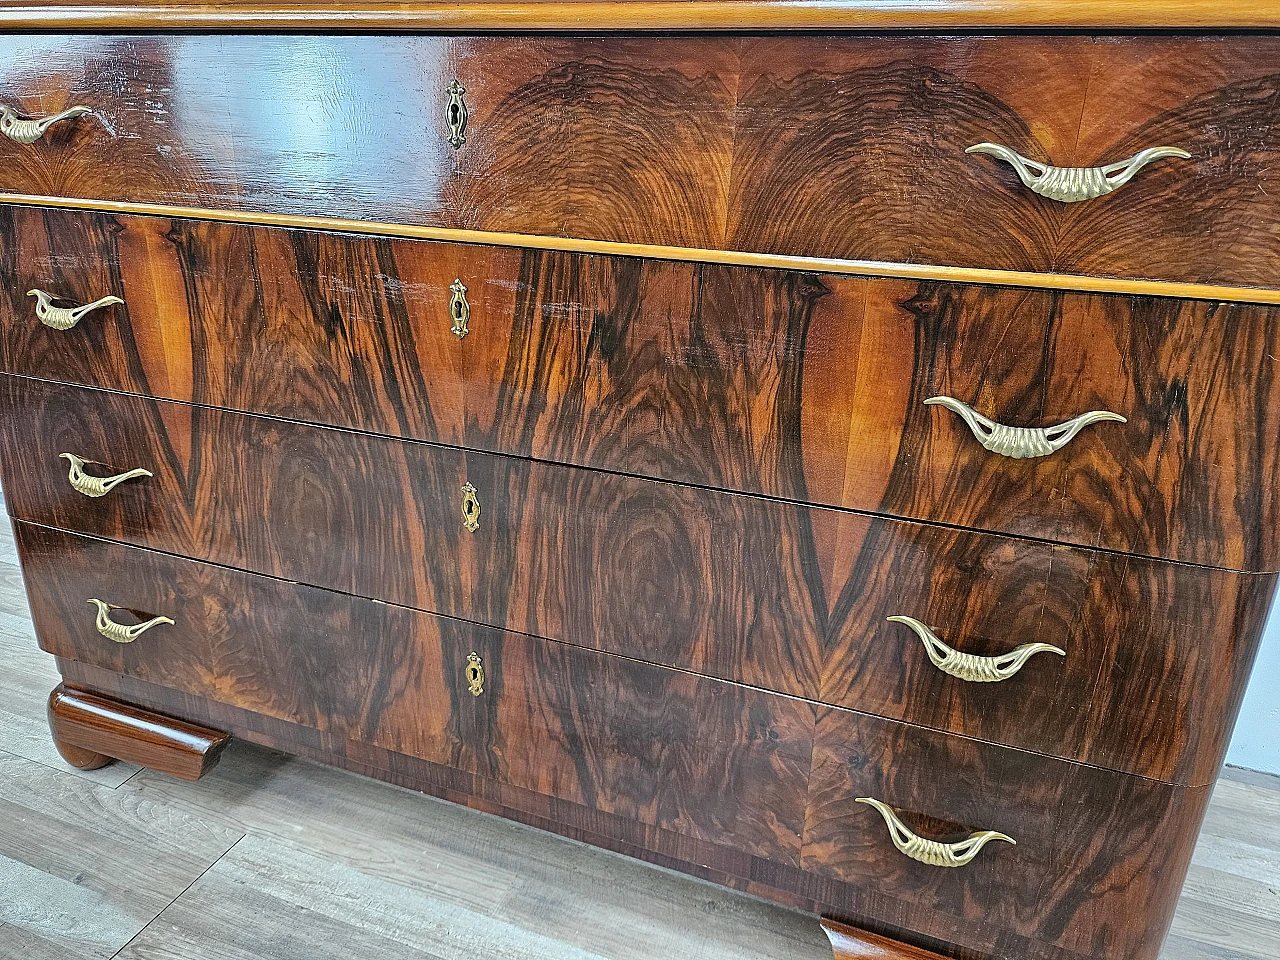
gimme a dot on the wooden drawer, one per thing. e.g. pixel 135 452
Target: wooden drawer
pixel 848 147
pixel 1098 861
pixel 887 177
pixel 357 127
pixel 715 761
pixel 1156 653
pixel 801 386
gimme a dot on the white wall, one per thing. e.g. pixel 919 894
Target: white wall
pixel 1256 743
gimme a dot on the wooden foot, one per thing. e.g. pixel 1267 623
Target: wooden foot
pixel 90 731
pixel 850 943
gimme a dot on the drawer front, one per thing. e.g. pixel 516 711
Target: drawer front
pixel 714 761
pixel 611 139
pixel 888 177
pixel 1154 655
pixel 1098 857
pixel 800 386
pixel 846 147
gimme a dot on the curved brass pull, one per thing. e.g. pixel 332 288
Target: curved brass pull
pixel 118 631
pixel 475 674
pixel 1023 442
pixel 29 131
pixel 932 852
pixel 1073 184
pixel 455 115
pixel 968 666
pixel 459 309
pixel 470 508
pixel 81 482
pixel 64 318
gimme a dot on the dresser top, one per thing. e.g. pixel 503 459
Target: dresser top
pixel 660 15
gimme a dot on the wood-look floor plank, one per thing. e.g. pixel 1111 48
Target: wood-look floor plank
pixel 27 675
pixel 523 886
pixel 312 907
pixel 1230 905
pixel 84 866
pixel 17 943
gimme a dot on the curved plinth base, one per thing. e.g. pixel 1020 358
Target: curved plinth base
pixel 850 943
pixel 91 730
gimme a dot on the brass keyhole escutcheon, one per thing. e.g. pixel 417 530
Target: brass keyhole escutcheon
pixel 470 508
pixel 475 674
pixel 459 309
pixel 456 115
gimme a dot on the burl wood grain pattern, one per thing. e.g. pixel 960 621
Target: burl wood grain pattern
pixel 800 386
pixel 722 763
pixel 1134 834
pixel 888 179
pixel 840 147
pixel 1099 857
pixel 1157 654
pixel 90 731
pixel 790 598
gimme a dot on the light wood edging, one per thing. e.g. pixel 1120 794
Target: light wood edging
pixel 866 268
pixel 619 15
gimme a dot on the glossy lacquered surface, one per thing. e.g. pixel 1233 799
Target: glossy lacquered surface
pixel 90 731
pixel 1156 653
pixel 715 761
pixel 722 143
pixel 802 386
pixel 1073 826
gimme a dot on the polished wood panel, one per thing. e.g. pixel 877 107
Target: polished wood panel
pixel 722 763
pixel 889 180
pixel 90 730
pixel 546 117
pixel 381 518
pixel 610 15
pixel 850 943
pixel 1157 653
pixel 354 669
pixel 796 385
pixel 1099 857
pixel 911 919
pixel 719 143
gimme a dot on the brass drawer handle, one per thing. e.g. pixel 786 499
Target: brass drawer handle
pixel 470 508
pixel 118 631
pixel 1073 184
pixel 29 131
pixel 64 318
pixel 932 852
pixel 968 666
pixel 455 115
pixel 475 674
pixel 1023 442
pixel 81 482
pixel 459 309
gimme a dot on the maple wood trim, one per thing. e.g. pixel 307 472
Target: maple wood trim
pixel 620 15
pixel 836 265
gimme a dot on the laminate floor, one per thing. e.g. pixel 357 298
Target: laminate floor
pixel 273 857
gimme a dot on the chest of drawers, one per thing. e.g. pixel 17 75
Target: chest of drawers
pixel 828 449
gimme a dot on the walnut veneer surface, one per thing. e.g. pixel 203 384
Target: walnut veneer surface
pixel 540 421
